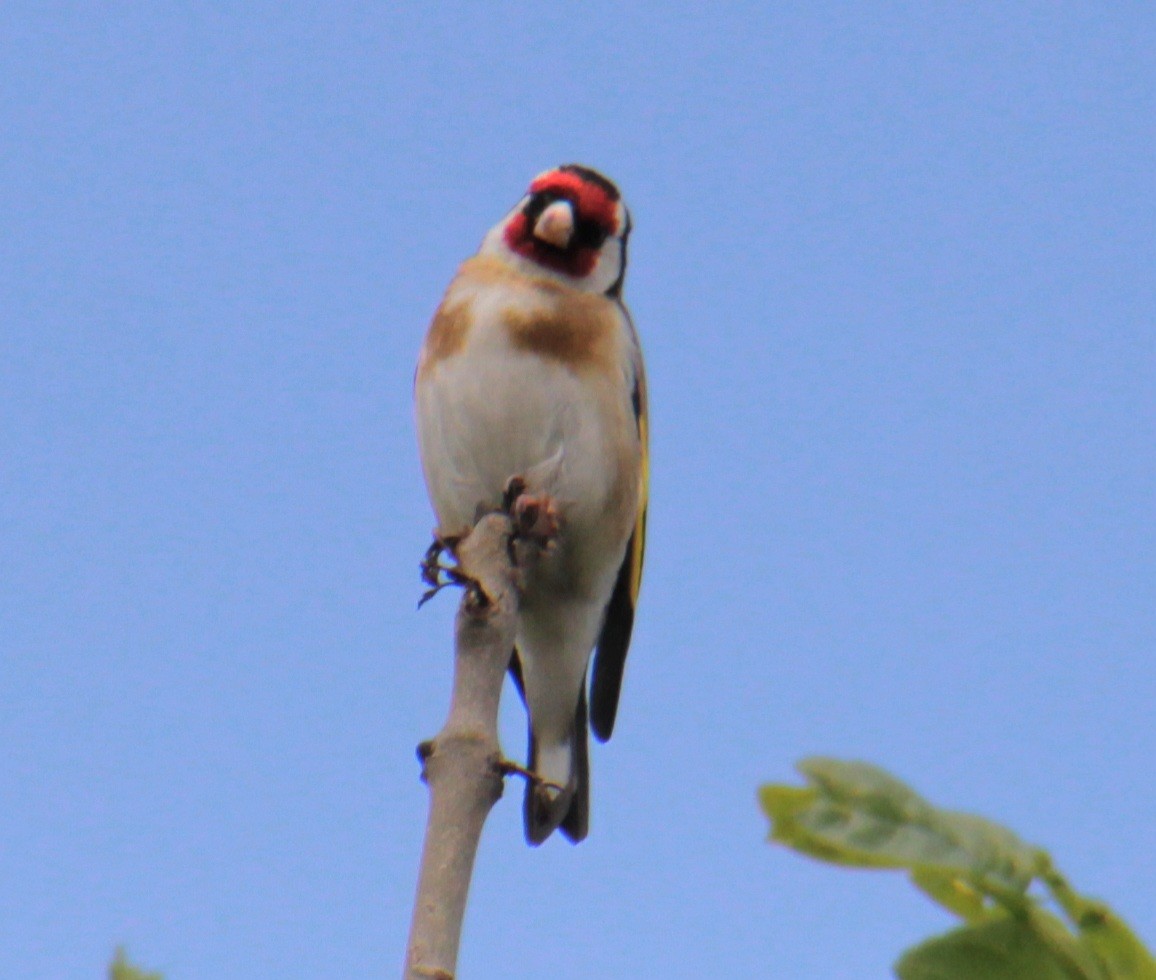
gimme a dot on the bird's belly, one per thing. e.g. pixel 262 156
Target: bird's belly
pixel 484 417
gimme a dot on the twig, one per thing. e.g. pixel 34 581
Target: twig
pixel 463 765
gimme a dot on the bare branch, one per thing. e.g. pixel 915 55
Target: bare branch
pixel 463 765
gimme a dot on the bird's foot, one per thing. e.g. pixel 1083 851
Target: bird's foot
pixel 535 516
pixel 435 573
pixel 515 487
pixel 508 767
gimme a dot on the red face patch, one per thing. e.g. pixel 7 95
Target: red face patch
pixel 593 206
pixel 592 201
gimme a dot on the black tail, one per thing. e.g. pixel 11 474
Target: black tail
pixel 545 810
pixel 576 824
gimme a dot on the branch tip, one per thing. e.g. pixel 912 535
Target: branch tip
pixel 461 765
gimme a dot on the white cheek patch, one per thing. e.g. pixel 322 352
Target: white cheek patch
pixel 621 218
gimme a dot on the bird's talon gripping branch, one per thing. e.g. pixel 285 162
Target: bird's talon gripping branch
pixel 508 767
pixel 536 518
pixel 515 487
pixel 534 515
pixel 437 575
pixel 431 566
pixel 476 597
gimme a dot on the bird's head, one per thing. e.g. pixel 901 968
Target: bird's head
pixel 571 225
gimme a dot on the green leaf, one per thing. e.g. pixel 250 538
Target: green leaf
pixel 1004 948
pixel 121 969
pixel 786 805
pixel 1118 948
pixel 857 814
pixel 953 893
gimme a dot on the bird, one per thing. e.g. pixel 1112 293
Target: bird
pixel 531 376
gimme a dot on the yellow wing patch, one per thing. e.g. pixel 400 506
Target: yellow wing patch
pixel 639 540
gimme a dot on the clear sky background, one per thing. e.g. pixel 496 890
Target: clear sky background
pixel 894 267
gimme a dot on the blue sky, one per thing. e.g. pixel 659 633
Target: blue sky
pixel 893 270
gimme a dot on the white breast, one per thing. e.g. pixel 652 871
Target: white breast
pixel 490 412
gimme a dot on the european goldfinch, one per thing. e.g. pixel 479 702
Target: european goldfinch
pixel 531 371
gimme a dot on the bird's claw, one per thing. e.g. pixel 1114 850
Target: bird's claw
pixel 438 575
pixel 534 516
pixel 535 520
pixel 508 767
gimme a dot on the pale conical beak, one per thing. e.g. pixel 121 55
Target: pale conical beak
pixel 555 225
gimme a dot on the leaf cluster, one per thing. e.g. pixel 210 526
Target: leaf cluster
pixel 121 969
pixel 857 815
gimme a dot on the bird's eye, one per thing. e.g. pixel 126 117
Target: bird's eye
pixel 590 234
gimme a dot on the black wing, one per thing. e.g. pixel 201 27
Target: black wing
pixel 614 640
